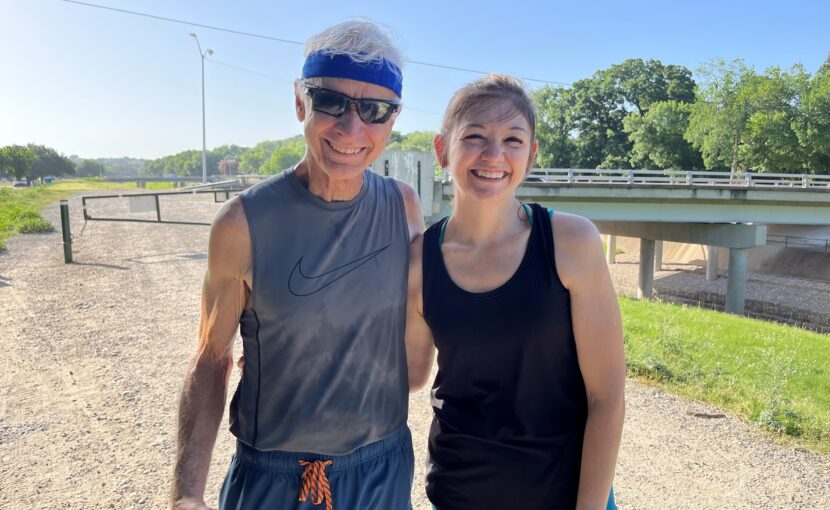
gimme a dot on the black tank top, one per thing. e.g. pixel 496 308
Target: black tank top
pixel 509 398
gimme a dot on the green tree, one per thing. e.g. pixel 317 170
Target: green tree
pixel 772 144
pixel 769 122
pixel 825 67
pixel 89 168
pixel 718 121
pixel 252 160
pixel 287 155
pixel 554 127
pixel 812 126
pixel 642 83
pixel 185 164
pixel 16 161
pixel 228 152
pixel 395 136
pixel 658 137
pixel 602 102
pixel 414 141
pixel 48 162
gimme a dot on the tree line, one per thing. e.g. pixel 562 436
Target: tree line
pixel 268 157
pixel 643 114
pixel 639 114
pixel 33 162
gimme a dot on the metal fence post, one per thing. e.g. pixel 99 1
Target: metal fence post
pixel 67 234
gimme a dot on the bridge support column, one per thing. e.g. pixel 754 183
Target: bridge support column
pixel 645 283
pixel 658 256
pixel 440 204
pixel 736 284
pixel 610 249
pixel 711 263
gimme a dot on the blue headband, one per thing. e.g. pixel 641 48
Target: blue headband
pixel 383 72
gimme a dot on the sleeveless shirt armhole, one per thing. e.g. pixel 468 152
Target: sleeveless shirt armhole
pixel 402 204
pixel 249 221
pixel 430 249
pixel 553 251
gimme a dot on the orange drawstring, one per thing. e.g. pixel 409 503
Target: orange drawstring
pixel 316 483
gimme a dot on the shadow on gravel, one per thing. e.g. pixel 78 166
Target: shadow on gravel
pixel 5 281
pixel 105 266
pixel 165 258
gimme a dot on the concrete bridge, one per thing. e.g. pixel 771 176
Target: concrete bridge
pixel 716 209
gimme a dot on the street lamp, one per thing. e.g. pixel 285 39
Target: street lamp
pixel 204 143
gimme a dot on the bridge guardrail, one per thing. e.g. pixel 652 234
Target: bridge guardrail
pixel 703 178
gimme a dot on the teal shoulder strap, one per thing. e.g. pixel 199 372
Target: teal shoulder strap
pixel 524 206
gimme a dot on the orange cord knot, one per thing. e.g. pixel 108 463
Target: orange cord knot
pixel 316 483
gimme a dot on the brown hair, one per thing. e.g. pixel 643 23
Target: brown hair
pixel 484 94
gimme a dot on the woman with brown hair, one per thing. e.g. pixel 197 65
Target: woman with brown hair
pixel 528 400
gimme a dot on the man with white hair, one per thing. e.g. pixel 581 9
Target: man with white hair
pixel 311 265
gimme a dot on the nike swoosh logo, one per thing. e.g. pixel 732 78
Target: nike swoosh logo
pixel 301 284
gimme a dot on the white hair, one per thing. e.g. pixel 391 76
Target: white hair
pixel 360 39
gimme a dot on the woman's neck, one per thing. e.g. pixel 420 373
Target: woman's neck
pixel 482 223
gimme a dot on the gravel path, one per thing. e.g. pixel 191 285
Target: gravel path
pixel 94 354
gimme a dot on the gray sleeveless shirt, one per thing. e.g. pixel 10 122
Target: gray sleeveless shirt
pixel 325 362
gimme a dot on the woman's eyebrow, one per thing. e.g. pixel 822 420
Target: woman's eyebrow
pixel 482 126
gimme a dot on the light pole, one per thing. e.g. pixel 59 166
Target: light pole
pixel 204 143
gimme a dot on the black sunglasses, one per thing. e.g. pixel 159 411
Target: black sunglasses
pixel 370 111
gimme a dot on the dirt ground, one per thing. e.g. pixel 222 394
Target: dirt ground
pixel 94 354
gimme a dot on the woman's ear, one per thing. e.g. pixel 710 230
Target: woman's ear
pixel 533 151
pixel 440 145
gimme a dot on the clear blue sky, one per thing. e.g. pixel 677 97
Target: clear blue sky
pixel 97 83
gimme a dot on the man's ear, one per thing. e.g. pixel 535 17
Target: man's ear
pixel 299 101
pixel 439 143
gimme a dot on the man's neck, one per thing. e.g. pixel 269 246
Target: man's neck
pixel 321 185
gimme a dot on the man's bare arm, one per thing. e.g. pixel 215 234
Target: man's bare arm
pixel 225 293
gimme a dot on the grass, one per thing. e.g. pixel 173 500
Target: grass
pixel 617 249
pixel 20 207
pixel 773 375
pixel 160 185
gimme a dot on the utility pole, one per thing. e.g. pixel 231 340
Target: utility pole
pixel 204 142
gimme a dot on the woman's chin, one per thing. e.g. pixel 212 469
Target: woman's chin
pixel 486 196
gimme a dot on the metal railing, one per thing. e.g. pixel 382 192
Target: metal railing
pixel 149 202
pixel 690 178
pixel 804 243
